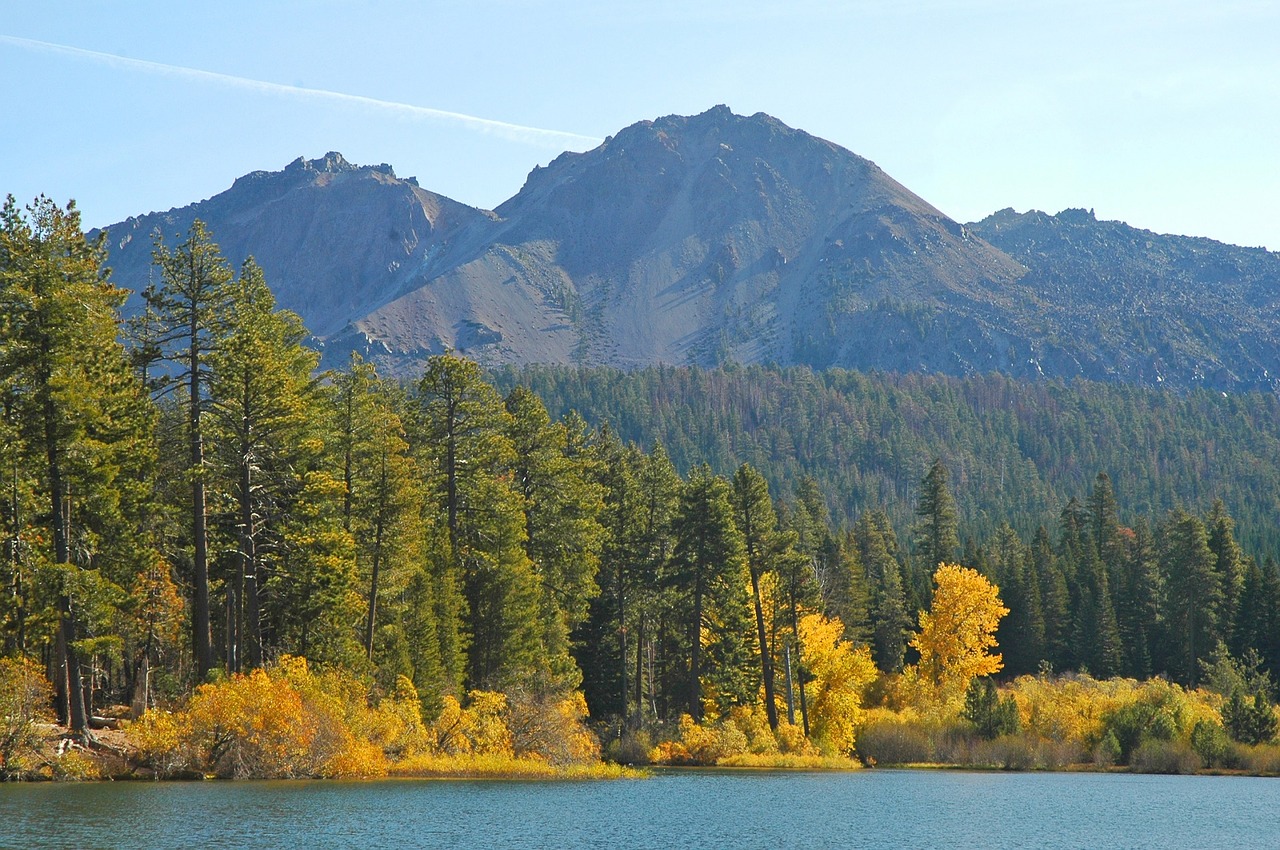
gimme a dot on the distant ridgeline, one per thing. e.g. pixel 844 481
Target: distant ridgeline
pixel 1017 451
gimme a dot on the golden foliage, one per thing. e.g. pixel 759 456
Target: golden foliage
pixel 551 727
pixel 840 674
pixel 479 729
pixel 25 696
pixel 955 637
pixel 753 722
pixel 250 726
pixel 285 721
pixel 698 744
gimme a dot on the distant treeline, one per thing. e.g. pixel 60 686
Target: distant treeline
pixel 1017 452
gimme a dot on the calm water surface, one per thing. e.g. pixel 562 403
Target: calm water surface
pixel 872 809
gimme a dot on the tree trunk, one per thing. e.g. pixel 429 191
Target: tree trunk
pixel 766 659
pixel 695 653
pixel 373 575
pixel 202 637
pixel 622 638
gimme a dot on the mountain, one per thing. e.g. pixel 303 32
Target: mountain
pixel 334 239
pixel 1140 307
pixel 727 238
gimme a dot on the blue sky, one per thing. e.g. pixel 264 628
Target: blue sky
pixel 1162 114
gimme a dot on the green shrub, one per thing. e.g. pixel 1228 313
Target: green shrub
pixel 1211 743
pixel 1249 721
pixel 1136 723
pixel 631 748
pixel 990 715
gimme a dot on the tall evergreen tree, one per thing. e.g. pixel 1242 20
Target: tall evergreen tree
pixel 1021 633
pixel 262 404
pixel 383 512
pixel 935 535
pixel 563 534
pixel 1137 604
pixel 466 450
pixel 1228 563
pixel 890 618
pixel 1055 600
pixel 1193 594
pixel 189 311
pixel 709 568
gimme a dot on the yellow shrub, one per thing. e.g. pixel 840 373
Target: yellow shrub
pixel 791 740
pixel 160 739
pixel 478 729
pixel 74 766
pixel 752 722
pixel 252 726
pixel 25 696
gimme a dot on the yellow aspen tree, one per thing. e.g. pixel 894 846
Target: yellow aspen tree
pixel 840 674
pixel 957 633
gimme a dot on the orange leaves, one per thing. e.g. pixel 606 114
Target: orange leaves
pixel 956 634
pixel 284 722
pixel 292 721
pixel 251 726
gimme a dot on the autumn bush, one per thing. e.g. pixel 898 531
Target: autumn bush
pixel 1263 759
pixel 699 744
pixel 551 727
pixel 282 722
pixel 25 698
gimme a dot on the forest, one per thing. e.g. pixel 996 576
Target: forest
pixel 257 570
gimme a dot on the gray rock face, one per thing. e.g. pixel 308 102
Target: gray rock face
pixel 334 239
pixel 720 237
pixel 697 239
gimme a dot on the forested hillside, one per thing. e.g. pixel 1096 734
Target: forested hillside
pixel 1018 451
pixel 192 515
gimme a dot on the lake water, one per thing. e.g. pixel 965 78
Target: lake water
pixel 704 810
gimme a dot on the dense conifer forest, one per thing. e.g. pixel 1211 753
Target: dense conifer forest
pixel 693 564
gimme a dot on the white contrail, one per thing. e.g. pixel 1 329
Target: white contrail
pixel 514 132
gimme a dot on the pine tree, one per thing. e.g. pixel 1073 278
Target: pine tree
pixel 1021 633
pixel 262 408
pixel 1055 600
pixel 709 571
pixel 383 512
pixel 935 538
pixel 563 535
pixel 600 642
pixel 891 621
pixel 189 311
pixel 658 488
pixel 1137 604
pixel 1228 563
pixel 1193 594
pixel 464 444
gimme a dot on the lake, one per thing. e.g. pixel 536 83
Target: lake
pixel 703 809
